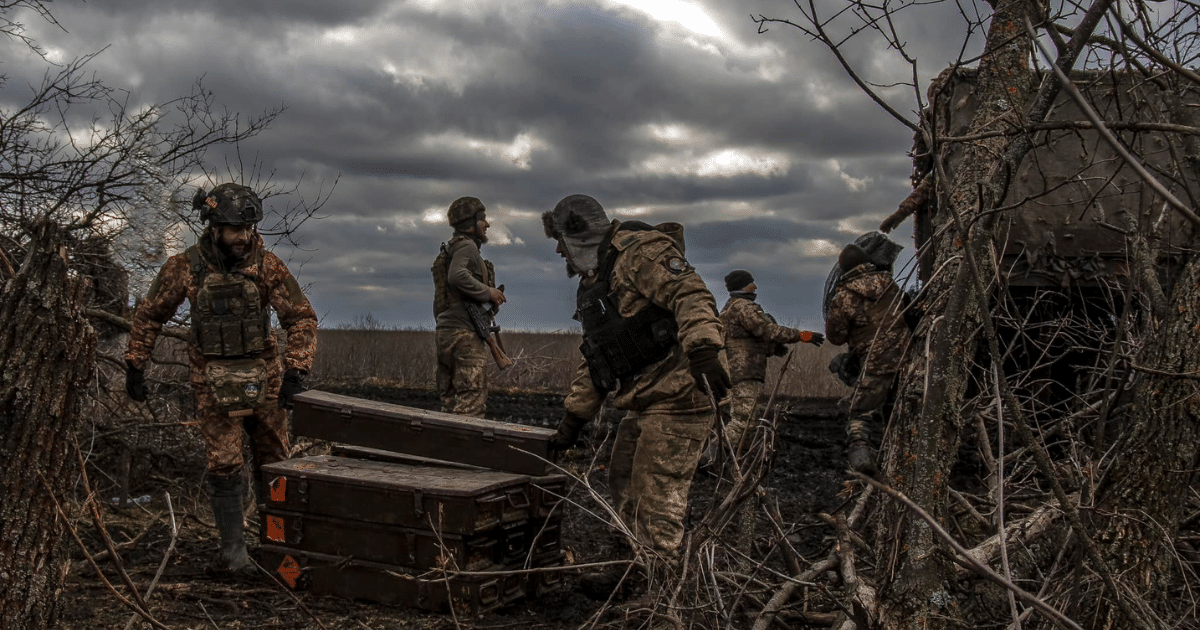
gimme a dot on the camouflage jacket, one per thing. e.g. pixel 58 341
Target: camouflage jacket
pixel 175 283
pixel 468 277
pixel 866 312
pixel 650 268
pixel 750 337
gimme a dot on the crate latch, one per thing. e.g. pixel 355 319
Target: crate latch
pixel 411 542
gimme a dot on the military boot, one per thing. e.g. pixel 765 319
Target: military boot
pixel 226 494
pixel 862 458
pixel 615 582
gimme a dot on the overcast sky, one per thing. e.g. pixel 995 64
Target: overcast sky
pixel 663 110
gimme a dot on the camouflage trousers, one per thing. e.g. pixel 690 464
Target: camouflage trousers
pixel 743 410
pixel 462 361
pixel 654 457
pixel 867 403
pixel 267 427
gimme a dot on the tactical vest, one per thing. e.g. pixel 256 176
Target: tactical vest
pixel 443 300
pixel 229 317
pixel 616 347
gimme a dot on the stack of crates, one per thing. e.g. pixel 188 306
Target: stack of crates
pixel 414 508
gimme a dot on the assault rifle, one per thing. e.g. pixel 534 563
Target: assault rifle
pixel 488 331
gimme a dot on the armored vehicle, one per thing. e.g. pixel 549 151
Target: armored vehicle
pixel 1073 202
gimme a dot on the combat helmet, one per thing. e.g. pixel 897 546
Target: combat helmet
pixel 579 222
pixel 464 212
pixel 228 204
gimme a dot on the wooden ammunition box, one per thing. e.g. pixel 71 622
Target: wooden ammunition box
pixel 449 437
pixel 385 544
pixel 445 499
pixel 546 492
pixel 435 591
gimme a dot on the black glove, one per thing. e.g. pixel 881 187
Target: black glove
pixel 706 363
pixel 815 338
pixel 293 383
pixel 135 383
pixel 568 432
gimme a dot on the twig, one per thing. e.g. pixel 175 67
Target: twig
pixel 780 598
pixel 99 572
pixel 208 616
pixel 162 565
pixel 983 569
pixel 181 332
pixel 1147 370
pixel 289 592
pixel 1012 600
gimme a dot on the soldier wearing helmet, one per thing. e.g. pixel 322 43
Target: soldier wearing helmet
pixel 240 379
pixel 865 310
pixel 460 273
pixel 652 339
pixel 751 335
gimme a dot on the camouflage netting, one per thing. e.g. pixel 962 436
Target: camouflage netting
pixel 880 249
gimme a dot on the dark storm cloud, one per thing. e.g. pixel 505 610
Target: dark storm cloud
pixel 717 235
pixel 757 142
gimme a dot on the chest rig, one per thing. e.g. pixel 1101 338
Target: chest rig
pixel 617 347
pixel 230 320
pixel 229 316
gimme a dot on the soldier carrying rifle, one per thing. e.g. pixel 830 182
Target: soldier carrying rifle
pixel 465 300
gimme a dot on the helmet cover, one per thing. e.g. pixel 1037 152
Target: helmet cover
pixel 228 204
pixel 464 212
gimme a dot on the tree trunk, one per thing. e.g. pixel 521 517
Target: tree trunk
pixel 46 352
pixel 1144 494
pixel 924 436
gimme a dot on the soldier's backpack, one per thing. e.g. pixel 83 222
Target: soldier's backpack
pixel 441 291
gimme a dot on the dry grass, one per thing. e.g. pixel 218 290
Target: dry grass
pixel 545 362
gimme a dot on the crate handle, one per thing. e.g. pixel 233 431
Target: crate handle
pixel 298 529
pixel 489 592
pixel 524 499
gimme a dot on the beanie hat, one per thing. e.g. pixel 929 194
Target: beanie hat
pixel 737 279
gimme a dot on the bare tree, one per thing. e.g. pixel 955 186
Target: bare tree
pixel 1055 194
pixel 88 185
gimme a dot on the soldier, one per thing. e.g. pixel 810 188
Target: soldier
pixel 751 335
pixel 652 337
pixel 460 273
pixel 866 310
pixel 239 382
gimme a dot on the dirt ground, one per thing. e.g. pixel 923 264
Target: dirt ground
pixel 807 477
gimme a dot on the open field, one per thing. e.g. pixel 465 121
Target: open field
pixel 545 362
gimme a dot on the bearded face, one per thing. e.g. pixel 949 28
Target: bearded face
pixel 233 240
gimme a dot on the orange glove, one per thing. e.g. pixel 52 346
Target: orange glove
pixel 815 338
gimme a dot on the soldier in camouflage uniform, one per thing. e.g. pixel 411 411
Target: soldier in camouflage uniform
pixel 462 356
pixel 652 338
pixel 751 335
pixel 866 311
pixel 237 377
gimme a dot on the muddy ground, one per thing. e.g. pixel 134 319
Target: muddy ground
pixel 807 478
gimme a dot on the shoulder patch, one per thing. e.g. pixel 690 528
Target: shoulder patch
pixel 676 264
